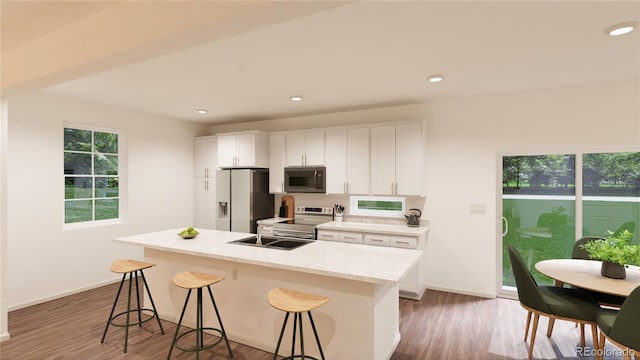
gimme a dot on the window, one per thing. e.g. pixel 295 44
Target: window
pixel 91 175
pixel 376 206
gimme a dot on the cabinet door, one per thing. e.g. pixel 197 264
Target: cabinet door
pixel 358 161
pixel 294 144
pixel 328 235
pixel 201 157
pixel 314 148
pixel 206 156
pixel 409 162
pixel 336 161
pixel 376 239
pixel 204 203
pixel 246 150
pixel 276 163
pixel 383 160
pixel 351 237
pixel 226 150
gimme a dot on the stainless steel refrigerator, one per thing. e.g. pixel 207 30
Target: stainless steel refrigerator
pixel 243 199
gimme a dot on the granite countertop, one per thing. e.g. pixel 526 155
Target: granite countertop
pixel 390 229
pixel 373 264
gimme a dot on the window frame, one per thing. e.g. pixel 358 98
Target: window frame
pixel 122 179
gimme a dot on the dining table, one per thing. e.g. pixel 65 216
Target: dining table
pixel 585 274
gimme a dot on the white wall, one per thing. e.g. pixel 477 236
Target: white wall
pixel 45 261
pixel 4 333
pixel 464 138
pixel 472 133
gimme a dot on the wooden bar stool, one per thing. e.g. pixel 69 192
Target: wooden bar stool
pixel 296 302
pixel 131 267
pixel 197 280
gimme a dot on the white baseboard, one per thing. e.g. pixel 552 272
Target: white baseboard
pixel 60 295
pixel 4 337
pixel 460 291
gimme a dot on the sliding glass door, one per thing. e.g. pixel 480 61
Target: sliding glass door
pixel 538 209
pixel 549 201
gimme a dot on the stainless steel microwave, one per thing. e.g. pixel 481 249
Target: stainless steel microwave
pixel 307 179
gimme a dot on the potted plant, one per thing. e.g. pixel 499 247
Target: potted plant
pixel 615 252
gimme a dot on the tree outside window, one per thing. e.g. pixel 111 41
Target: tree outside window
pixel 91 179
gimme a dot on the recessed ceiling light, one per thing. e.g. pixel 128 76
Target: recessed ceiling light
pixel 296 98
pixel 621 29
pixel 435 78
pixel 202 111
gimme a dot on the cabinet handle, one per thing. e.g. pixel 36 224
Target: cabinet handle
pixel 349 237
pixel 396 189
pixel 392 189
pixel 305 159
pixel 402 242
pixel 206 186
pixel 302 159
pixel 348 188
pixel 378 240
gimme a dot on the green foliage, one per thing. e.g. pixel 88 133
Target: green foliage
pixel 615 248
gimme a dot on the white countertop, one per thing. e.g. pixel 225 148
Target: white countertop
pixel 389 229
pixel 373 264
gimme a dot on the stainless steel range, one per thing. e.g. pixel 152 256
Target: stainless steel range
pixel 303 225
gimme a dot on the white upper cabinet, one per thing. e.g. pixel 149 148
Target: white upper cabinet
pixel 347 161
pixel 358 161
pixel 206 156
pixel 336 161
pixel 304 148
pixel 396 159
pixel 276 163
pixel 243 149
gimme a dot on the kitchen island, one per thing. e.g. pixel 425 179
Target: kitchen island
pixel 361 321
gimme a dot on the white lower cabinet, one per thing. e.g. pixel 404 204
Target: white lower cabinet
pixel 412 285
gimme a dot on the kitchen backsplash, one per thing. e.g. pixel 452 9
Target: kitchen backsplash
pixel 330 200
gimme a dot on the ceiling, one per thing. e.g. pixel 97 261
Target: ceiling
pixel 370 54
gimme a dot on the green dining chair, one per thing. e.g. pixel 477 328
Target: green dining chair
pixel 551 301
pixel 622 327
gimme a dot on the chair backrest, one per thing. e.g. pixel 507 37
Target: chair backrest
pixel 626 328
pixel 528 293
pixel 580 253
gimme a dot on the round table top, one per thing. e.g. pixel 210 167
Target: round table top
pixel 586 274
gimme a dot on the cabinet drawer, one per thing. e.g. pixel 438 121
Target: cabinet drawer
pixel 403 242
pixel 375 239
pixel 350 237
pixel 328 235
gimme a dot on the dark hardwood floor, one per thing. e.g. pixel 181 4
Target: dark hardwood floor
pixel 440 326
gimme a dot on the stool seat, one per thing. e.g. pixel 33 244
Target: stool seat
pixel 127 266
pixel 195 280
pixel 295 301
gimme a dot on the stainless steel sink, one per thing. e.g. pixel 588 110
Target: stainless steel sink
pixel 272 243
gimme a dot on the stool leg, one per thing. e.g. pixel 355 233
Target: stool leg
pixel 295 324
pixel 284 324
pixel 126 326
pixel 113 308
pixel 301 334
pixel 224 333
pixel 199 342
pixel 173 343
pixel 138 301
pixel 144 280
pixel 313 326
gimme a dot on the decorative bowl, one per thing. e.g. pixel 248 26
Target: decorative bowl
pixel 190 236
